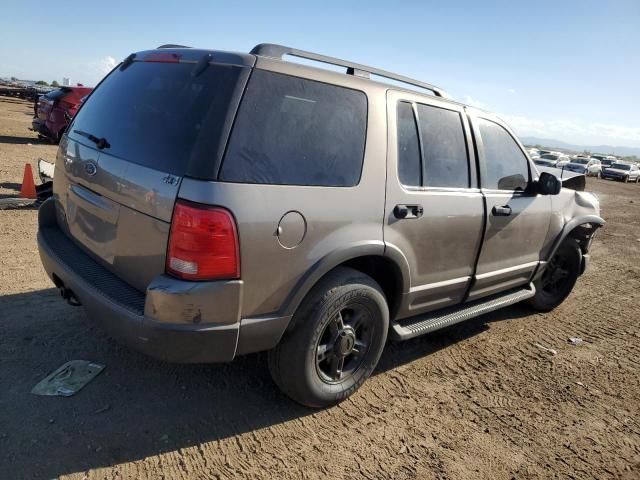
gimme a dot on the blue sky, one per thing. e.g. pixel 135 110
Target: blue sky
pixel 563 69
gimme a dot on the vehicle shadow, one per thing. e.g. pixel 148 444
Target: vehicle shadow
pixel 137 407
pixel 13 140
pixel 400 353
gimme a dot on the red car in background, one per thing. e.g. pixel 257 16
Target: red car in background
pixel 54 111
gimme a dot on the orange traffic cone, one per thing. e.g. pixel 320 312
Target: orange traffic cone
pixel 28 189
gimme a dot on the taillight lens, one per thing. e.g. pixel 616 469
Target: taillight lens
pixel 203 243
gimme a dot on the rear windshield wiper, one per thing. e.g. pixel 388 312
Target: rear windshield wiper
pixel 100 142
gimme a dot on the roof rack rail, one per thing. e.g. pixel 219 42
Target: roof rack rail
pixel 171 45
pixel 279 51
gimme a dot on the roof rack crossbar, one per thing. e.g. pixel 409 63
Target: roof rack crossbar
pixel 279 51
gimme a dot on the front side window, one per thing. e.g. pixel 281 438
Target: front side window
pixel 294 131
pixel 505 166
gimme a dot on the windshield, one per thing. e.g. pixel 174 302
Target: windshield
pixel 606 162
pixel 159 115
pixel 581 161
pixel 549 157
pixel 621 166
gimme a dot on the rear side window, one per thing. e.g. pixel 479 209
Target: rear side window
pixel 409 166
pixel 293 131
pixel 505 166
pixel 445 161
pixel 159 115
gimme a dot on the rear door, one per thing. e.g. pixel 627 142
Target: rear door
pixel 126 151
pixel 434 210
pixel 517 221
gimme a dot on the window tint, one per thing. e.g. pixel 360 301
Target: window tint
pixel 445 153
pixel 409 170
pixel 159 115
pixel 505 166
pixel 293 131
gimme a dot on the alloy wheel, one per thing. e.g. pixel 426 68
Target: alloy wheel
pixel 344 343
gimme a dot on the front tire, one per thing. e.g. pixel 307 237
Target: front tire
pixel 558 279
pixel 337 337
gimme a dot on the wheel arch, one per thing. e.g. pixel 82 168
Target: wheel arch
pixel 580 228
pixel 390 270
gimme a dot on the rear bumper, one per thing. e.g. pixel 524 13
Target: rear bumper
pixel 155 322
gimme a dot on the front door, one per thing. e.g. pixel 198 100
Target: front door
pixel 434 210
pixel 517 221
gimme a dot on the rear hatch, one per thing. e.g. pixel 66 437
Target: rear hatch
pixel 147 125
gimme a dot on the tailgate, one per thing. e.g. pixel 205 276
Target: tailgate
pixel 118 211
pixel 44 108
pixel 122 160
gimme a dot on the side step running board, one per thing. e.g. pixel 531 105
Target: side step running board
pixel 415 326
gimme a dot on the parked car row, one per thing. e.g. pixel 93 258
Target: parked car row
pixel 601 166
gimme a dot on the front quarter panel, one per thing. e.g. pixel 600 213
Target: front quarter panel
pixel 569 209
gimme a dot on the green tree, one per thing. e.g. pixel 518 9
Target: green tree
pixel 41 82
pixel 55 83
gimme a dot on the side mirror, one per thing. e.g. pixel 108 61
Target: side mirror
pixel 549 184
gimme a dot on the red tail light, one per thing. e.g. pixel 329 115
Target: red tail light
pixel 203 243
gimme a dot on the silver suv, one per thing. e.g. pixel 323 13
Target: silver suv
pixel 209 204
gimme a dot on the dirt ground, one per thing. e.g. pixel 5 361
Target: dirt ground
pixel 480 400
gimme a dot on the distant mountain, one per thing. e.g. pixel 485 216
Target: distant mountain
pixel 606 149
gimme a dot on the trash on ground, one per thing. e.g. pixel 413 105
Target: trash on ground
pixel 575 341
pixel 546 349
pixel 68 379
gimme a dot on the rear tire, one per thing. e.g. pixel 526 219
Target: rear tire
pixel 559 278
pixel 338 334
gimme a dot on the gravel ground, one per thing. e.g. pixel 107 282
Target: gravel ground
pixel 480 400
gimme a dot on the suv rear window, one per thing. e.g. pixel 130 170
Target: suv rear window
pixel 293 131
pixel 56 94
pixel 161 116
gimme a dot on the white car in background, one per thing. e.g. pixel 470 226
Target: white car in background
pixel 585 165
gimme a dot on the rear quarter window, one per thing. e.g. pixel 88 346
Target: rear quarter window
pixel 294 131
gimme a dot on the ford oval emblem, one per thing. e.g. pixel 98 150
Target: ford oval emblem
pixel 90 168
